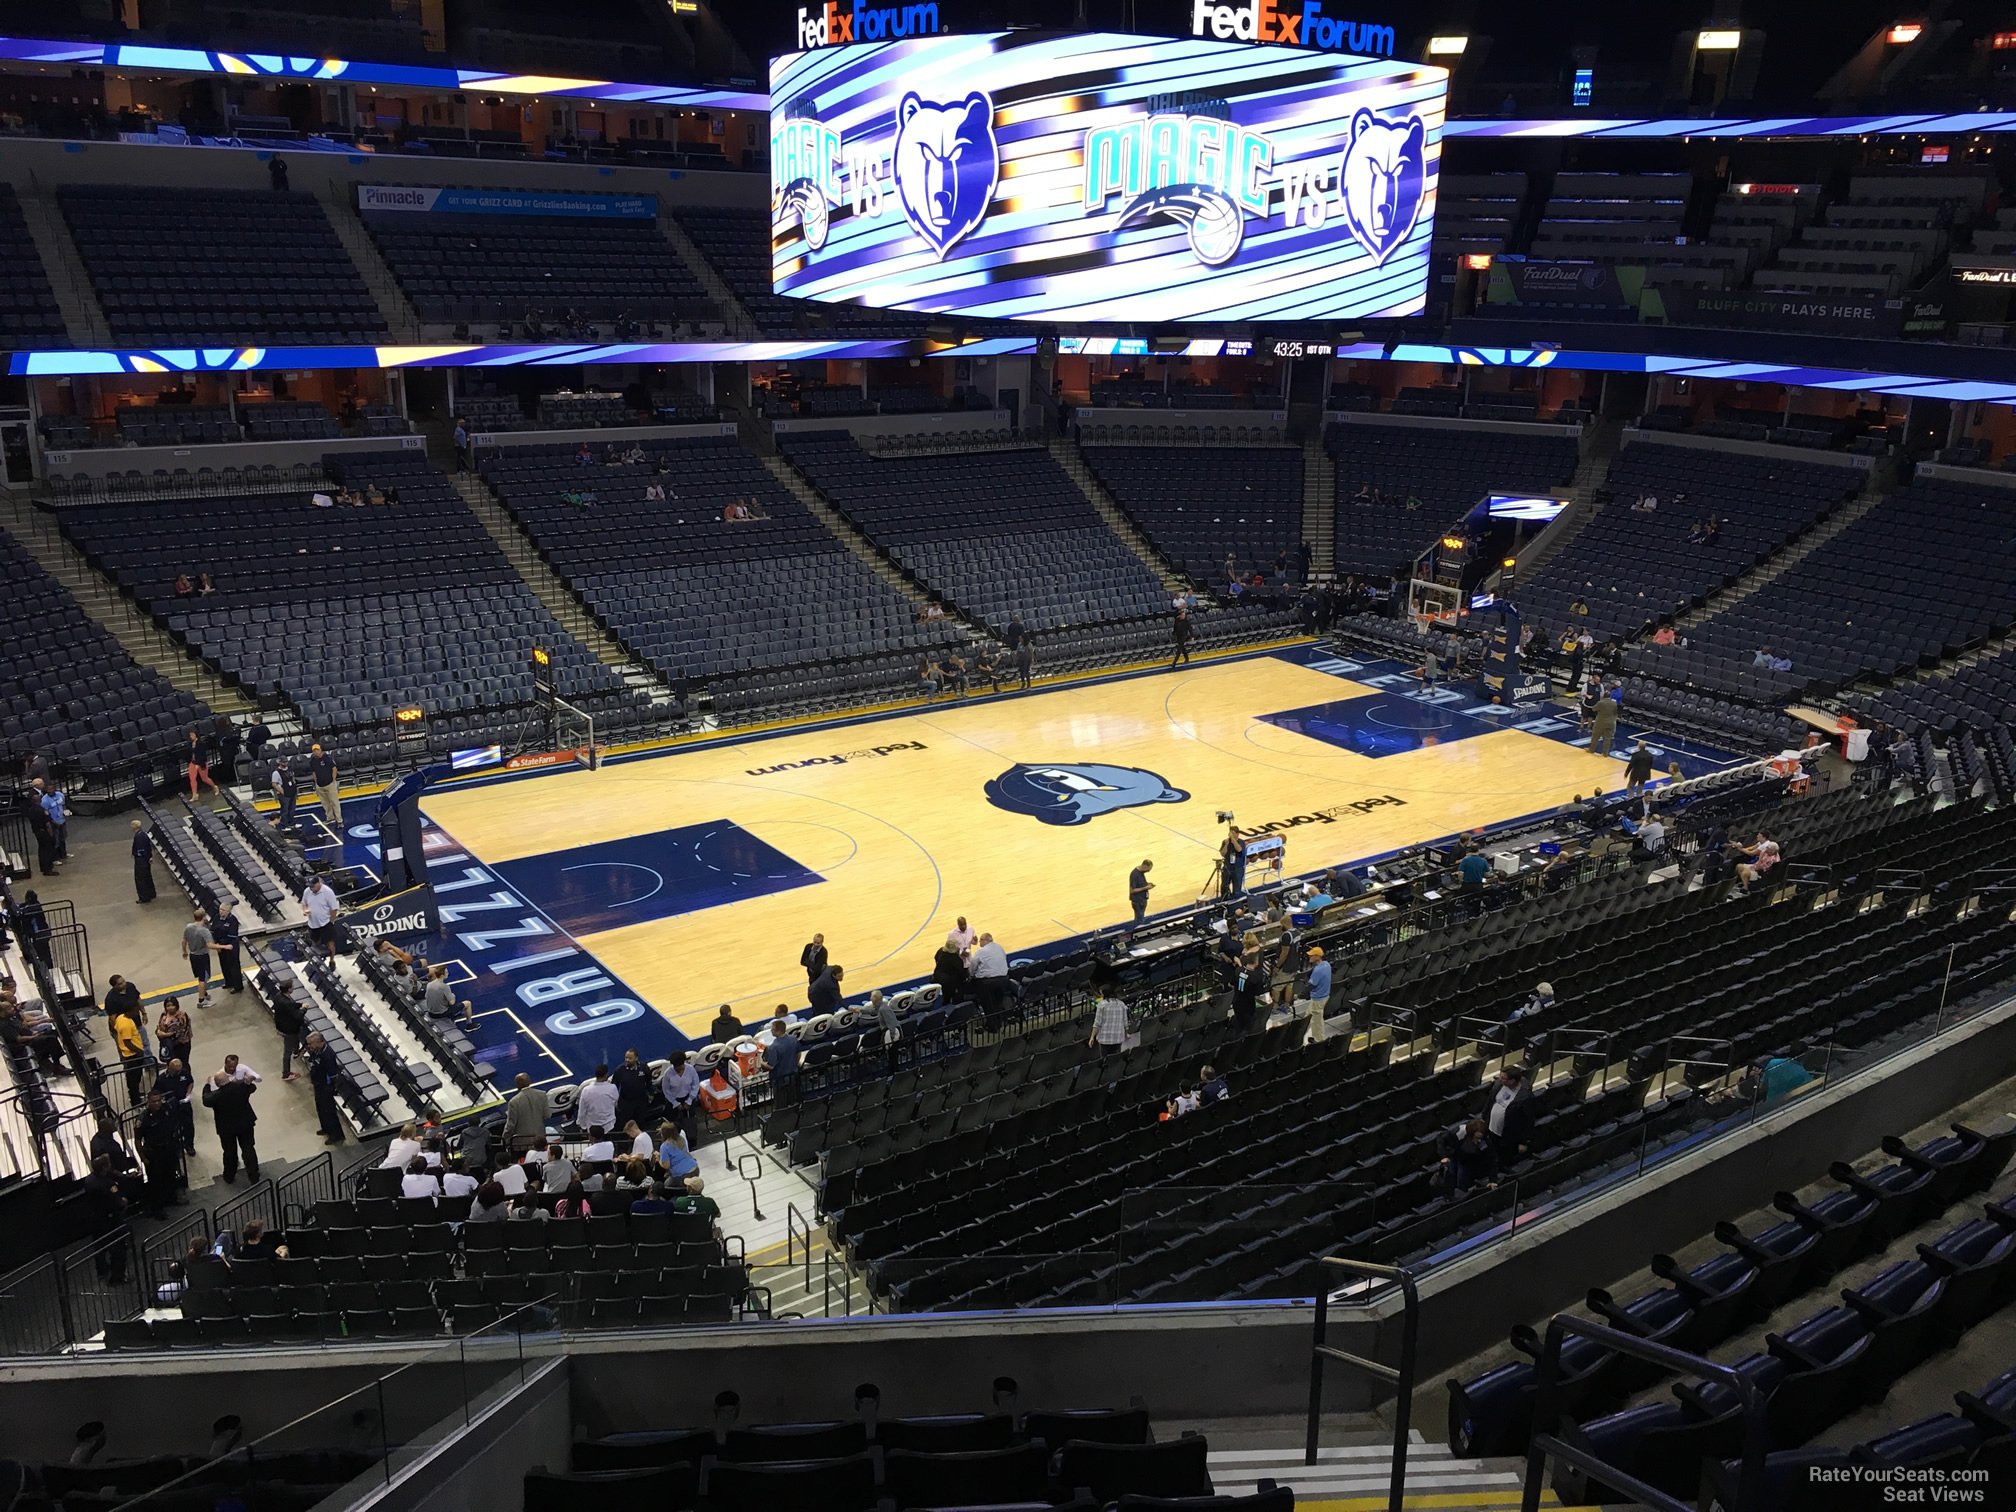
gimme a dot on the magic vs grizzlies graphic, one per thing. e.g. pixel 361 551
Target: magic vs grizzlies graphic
pixel 1032 174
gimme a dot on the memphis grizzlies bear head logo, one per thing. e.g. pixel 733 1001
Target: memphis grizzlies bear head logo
pixel 1071 794
pixel 1384 175
pixel 946 166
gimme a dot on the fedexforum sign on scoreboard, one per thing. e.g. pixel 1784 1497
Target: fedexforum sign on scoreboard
pixel 1106 177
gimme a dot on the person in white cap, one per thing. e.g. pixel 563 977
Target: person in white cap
pixel 1541 1000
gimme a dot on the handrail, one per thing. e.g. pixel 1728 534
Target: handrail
pixel 1400 1377
pixel 1545 1441
pixel 804 1227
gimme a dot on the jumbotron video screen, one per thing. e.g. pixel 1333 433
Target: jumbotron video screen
pixel 1104 178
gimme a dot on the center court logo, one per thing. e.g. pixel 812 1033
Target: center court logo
pixel 1074 793
pixel 838 758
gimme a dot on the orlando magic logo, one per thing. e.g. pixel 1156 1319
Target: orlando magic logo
pixel 1210 219
pixel 1383 176
pixel 946 164
pixel 1071 793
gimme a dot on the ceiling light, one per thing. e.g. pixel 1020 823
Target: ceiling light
pixel 1718 41
pixel 1447 47
pixel 1904 31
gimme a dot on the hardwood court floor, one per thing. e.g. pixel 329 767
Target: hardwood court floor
pixel 696 876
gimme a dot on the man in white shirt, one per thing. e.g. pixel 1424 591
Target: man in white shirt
pixel 641 1144
pixel 988 968
pixel 600 1149
pixel 237 1070
pixel 320 904
pixel 596 1106
pixel 510 1177
pixel 419 1181
pixel 458 1184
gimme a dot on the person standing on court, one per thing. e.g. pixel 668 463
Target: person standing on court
pixel 1639 770
pixel 224 932
pixel 143 863
pixel 196 950
pixel 813 958
pixel 1179 635
pixel 287 788
pixel 1138 888
pixel 1603 727
pixel 322 767
pixel 1025 659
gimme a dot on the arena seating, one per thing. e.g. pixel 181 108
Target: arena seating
pixel 350 612
pixel 1928 573
pixel 292 420
pixel 79 698
pixel 1882 237
pixel 697 597
pixel 572 411
pixel 736 243
pixel 1817 1363
pixel 1200 505
pixel 197 267
pixel 1977 692
pixel 1449 470
pixel 1633 569
pixel 494 268
pixel 1001 534
pixel 1078 1461
pixel 1634 219
pixel 29 316
pixel 1476 213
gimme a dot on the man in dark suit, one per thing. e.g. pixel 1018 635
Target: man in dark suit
pixel 325 1074
pixel 143 863
pixel 813 958
pixel 1179 636
pixel 229 1100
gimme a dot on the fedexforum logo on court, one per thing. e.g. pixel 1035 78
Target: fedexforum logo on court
pixel 1322 816
pixel 839 758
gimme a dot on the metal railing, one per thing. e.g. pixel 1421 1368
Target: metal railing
pixel 296 1193
pixel 1400 1377
pixel 1547 1440
pixel 167 1245
pixel 261 1201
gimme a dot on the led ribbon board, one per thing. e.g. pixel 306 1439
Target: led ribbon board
pixel 1100 177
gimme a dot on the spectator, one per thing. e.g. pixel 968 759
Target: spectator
pixel 320 905
pixel 1774 1078
pixel 962 937
pixel 1509 1119
pixel 524 1116
pixel 679 1085
pixel 1638 770
pixel 694 1202
pixel 557 1172
pixel 1650 841
pixel 184 587
pixel 196 950
pixel 328 789
pixel 132 1050
pixel 325 1075
pixel 143 863
pixel 632 1081
pixel 1025 660
pixel 595 1107
pixel 19 1030
pixel 403 1147
pixel 170 1292
pixel 174 1031
pixel 1539 1001
pixel 726 1026
pixel 291 1019
pixel 1318 990
pixel 58 816
pixel 988 974
pixel 586 455
pixel 781 1057
pixel 493 1204
pixel 419 1181
pixel 514 1175
pixel 1758 858
pixel 205 585
pixel 1603 726
pixel 675 1154
pixel 461 439
pixel 229 1099
pixel 927 676
pixel 198 757
pixel 1475 868
pixel 1180 631
pixel 1466 1156
pixel 276 173
pixel 1211 1087
pixel 634 1142
pixel 459 1184
pixel 1109 1025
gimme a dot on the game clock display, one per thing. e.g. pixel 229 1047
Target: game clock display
pixel 1102 177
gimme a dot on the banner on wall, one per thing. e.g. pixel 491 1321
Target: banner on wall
pixel 1529 281
pixel 418 200
pixel 1832 313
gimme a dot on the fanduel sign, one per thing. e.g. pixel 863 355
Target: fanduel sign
pixel 1289 25
pixel 835 23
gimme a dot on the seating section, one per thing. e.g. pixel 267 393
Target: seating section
pixel 29 316
pixel 350 612
pixel 104 712
pixel 1981 691
pixel 1476 213
pixel 1813 1361
pixel 1635 219
pixel 1928 573
pixel 1883 237
pixel 195 267
pixel 1003 535
pixel 1201 505
pixel 496 268
pixel 698 597
pixel 1633 568
pixel 300 420
pixel 1430 477
pixel 736 242
pixel 1077 1461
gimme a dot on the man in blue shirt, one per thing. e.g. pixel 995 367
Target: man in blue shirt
pixel 1319 991
pixel 781 1057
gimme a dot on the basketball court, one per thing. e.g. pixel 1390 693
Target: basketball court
pixel 693 877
